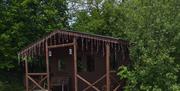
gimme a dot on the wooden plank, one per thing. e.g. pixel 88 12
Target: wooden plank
pixel 95 37
pixel 44 78
pixel 41 81
pixel 107 67
pixel 47 66
pixel 117 88
pixel 76 34
pixel 95 82
pixel 26 75
pixel 75 64
pixel 37 74
pixel 61 45
pixel 87 82
pixel 36 83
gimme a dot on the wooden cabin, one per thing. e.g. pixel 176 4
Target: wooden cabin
pixel 74 61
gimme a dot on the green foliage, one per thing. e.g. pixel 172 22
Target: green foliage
pixel 22 22
pixel 101 17
pixel 11 81
pixel 153 26
pixel 154 30
pixel 11 87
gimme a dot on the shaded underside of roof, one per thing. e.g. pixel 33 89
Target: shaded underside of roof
pixel 62 36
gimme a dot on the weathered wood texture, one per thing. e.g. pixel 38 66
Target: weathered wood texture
pixel 75 64
pixel 102 50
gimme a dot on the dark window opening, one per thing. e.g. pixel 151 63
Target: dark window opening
pixel 114 62
pixel 114 65
pixel 61 65
pixel 80 65
pixel 90 64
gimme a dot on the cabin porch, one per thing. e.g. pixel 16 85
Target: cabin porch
pixel 72 63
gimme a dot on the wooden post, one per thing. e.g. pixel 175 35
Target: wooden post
pixel 47 66
pixel 26 75
pixel 75 64
pixel 107 67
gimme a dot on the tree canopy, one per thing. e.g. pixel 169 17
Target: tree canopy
pixel 152 26
pixel 24 21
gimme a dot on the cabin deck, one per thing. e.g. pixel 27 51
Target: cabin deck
pixel 74 62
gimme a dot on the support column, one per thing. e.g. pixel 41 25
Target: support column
pixel 47 66
pixel 107 67
pixel 26 75
pixel 75 64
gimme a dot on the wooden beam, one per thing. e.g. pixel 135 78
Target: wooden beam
pixel 26 75
pixel 117 88
pixel 88 83
pixel 119 84
pixel 114 79
pixel 36 83
pixel 47 66
pixel 37 74
pixel 44 78
pixel 107 67
pixel 95 82
pixel 61 45
pixel 75 64
pixel 41 81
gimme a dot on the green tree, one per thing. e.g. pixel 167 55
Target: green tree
pixel 152 25
pixel 100 17
pixel 154 28
pixel 24 21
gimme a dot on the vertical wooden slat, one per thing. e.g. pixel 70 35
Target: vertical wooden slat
pixel 47 66
pixel 75 64
pixel 107 67
pixel 27 81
